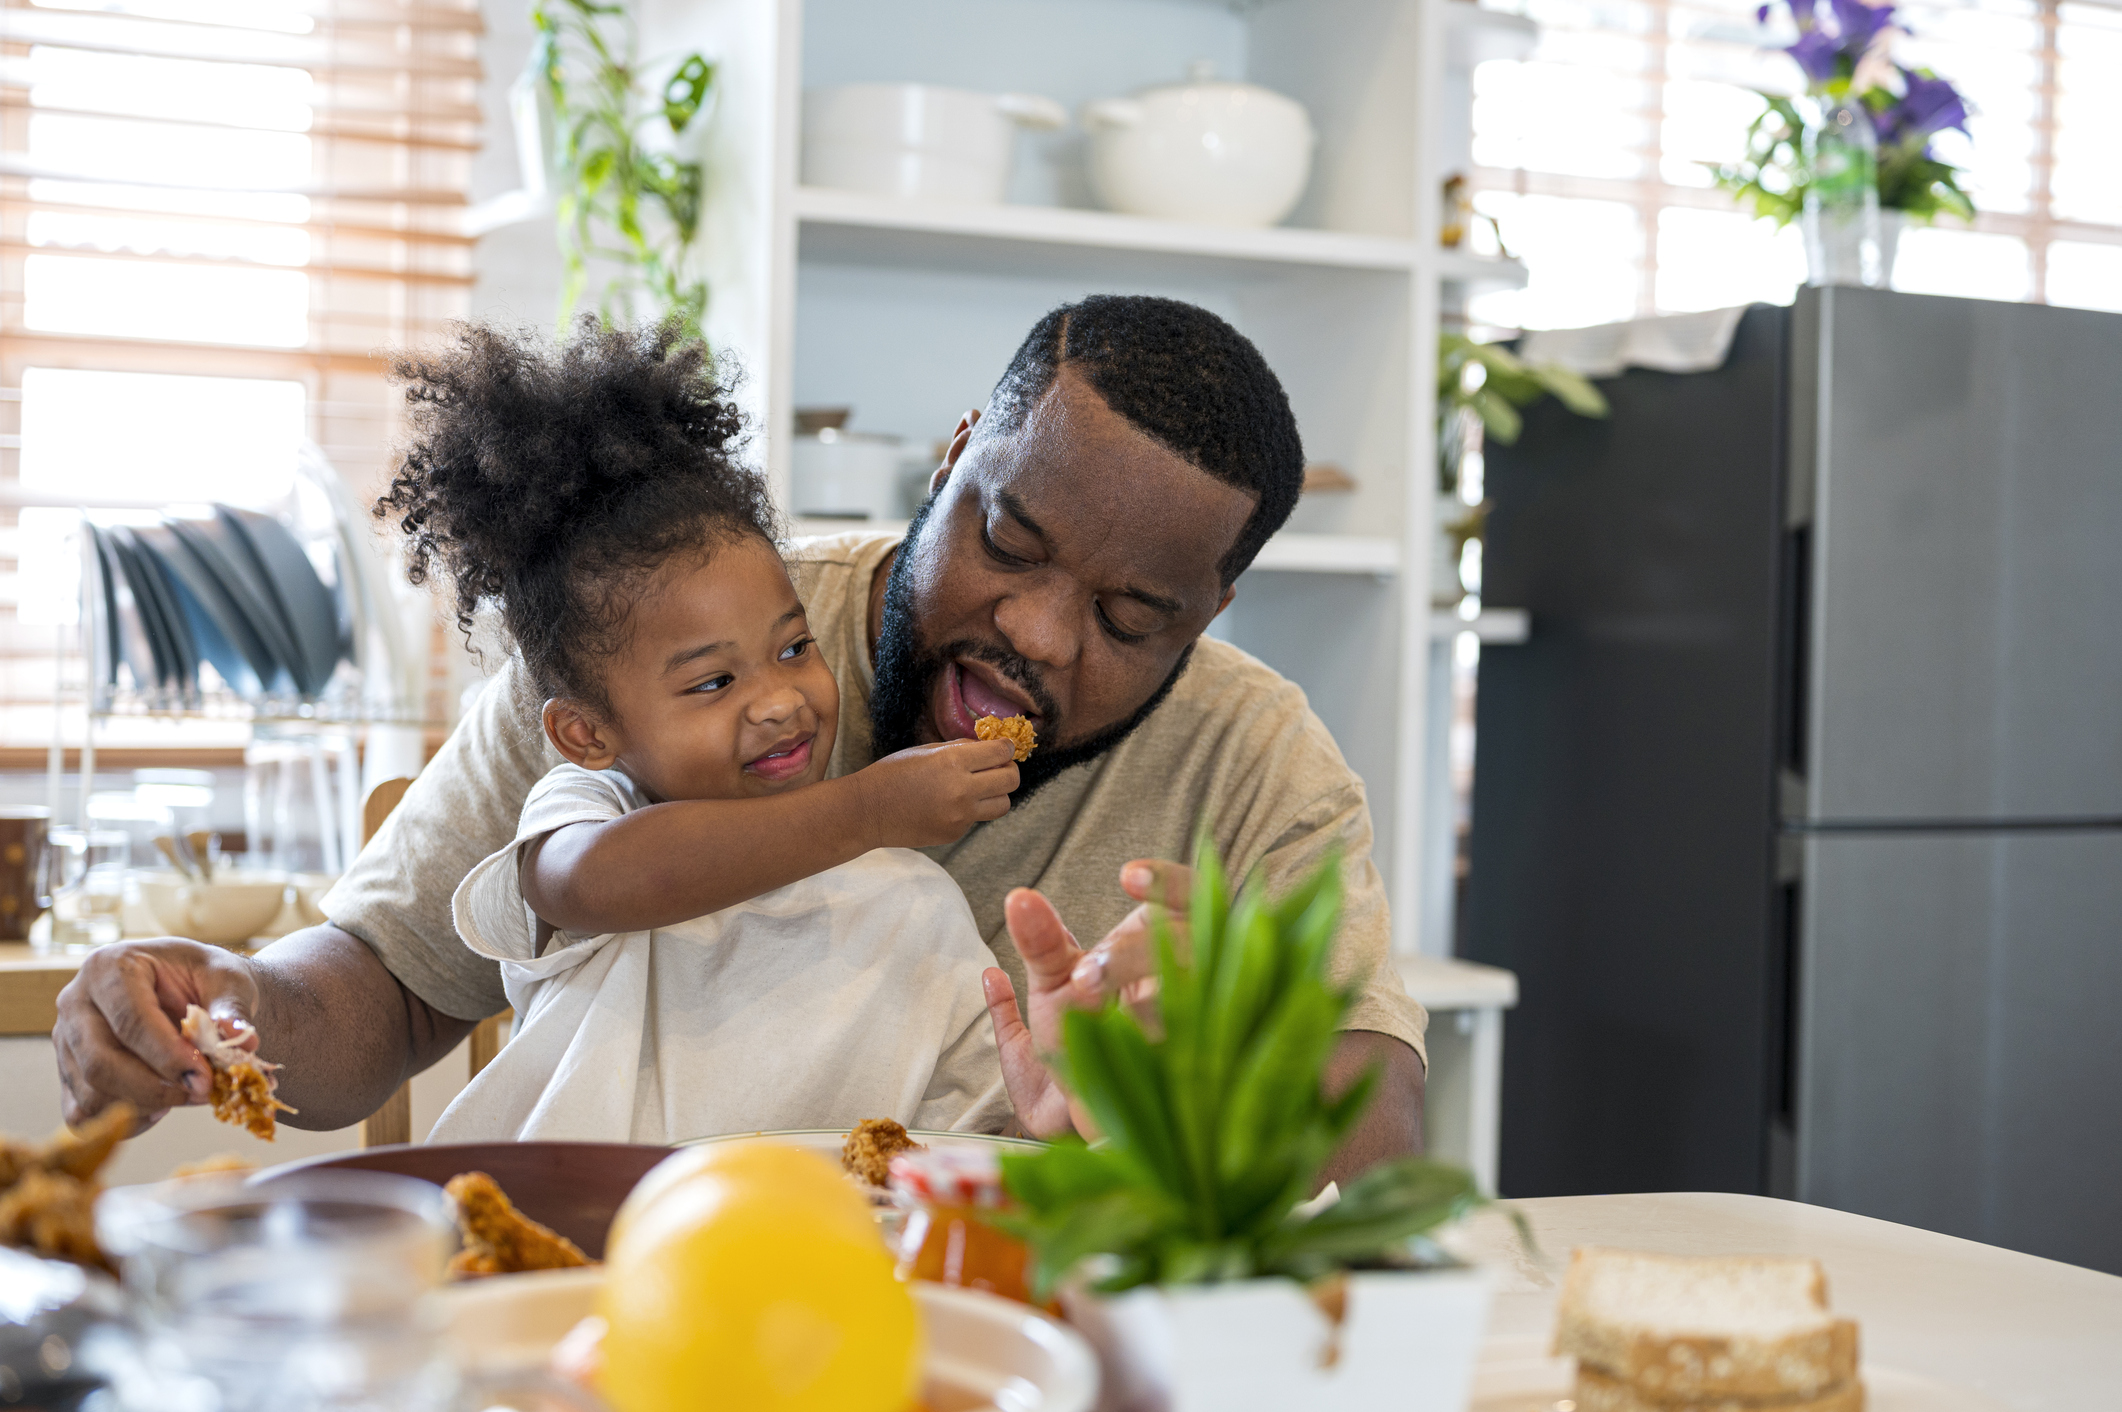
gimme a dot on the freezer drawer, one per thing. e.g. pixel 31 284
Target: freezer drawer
pixel 1960 1067
pixel 1961 460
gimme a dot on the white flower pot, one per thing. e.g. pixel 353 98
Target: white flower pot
pixel 1406 1341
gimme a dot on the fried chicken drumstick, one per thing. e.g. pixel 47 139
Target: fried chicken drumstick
pixel 243 1083
pixel 48 1190
pixel 499 1239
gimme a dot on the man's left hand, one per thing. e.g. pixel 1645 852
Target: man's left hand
pixel 1062 976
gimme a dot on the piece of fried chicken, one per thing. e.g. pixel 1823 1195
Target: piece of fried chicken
pixel 871 1144
pixel 48 1190
pixel 499 1239
pixel 243 1083
pixel 1015 729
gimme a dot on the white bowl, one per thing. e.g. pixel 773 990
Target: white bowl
pixel 1219 153
pixel 916 141
pixel 983 1351
pixel 228 911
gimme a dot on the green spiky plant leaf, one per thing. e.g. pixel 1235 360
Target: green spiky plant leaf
pixel 1216 1123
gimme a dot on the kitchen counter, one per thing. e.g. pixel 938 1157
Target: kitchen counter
pixel 30 983
pixel 2034 1335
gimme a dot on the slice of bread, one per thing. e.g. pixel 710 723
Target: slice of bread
pixel 1596 1392
pixel 1685 1328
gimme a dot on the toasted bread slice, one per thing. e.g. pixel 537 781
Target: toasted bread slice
pixel 1596 1392
pixel 1683 1329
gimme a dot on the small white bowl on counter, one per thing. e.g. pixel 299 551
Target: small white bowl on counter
pixel 228 911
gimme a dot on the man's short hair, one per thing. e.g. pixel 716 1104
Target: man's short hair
pixel 1184 378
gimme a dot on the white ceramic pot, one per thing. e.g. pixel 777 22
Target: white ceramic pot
pixel 1406 1340
pixel 1222 153
pixel 916 141
pixel 228 911
pixel 851 475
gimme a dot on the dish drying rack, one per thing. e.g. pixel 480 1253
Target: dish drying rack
pixel 280 617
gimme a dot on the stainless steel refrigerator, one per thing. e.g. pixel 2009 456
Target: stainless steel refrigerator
pixel 1800 815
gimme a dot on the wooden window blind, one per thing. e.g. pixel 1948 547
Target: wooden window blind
pixel 216 217
pixel 1590 155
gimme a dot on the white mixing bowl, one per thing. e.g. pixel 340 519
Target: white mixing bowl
pixel 1219 153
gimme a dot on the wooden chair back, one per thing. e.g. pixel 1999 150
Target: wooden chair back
pixel 393 1122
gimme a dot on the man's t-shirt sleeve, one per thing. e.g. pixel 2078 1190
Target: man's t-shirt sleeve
pixel 461 808
pixel 1363 952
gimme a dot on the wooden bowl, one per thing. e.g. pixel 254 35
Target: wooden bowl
pixel 573 1187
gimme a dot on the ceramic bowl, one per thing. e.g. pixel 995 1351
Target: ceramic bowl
pixel 983 1351
pixel 309 897
pixel 573 1187
pixel 916 141
pixel 1220 153
pixel 228 911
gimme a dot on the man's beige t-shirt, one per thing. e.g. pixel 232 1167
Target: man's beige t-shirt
pixel 1234 745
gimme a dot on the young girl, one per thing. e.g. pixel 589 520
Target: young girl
pixel 699 932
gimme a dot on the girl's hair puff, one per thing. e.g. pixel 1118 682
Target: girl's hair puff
pixel 556 477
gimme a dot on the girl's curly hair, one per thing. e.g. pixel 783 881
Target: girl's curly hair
pixel 556 477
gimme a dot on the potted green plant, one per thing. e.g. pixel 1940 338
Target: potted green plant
pixel 1185 1242
pixel 628 190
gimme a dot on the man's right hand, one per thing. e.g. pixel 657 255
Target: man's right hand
pixel 931 794
pixel 117 1034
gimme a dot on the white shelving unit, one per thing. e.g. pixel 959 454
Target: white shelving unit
pixel 908 313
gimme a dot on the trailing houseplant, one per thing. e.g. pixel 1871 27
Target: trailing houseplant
pixel 1215 1128
pixel 1486 383
pixel 1843 49
pixel 627 199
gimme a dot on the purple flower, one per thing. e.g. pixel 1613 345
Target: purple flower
pixel 1859 24
pixel 1816 53
pixel 1927 105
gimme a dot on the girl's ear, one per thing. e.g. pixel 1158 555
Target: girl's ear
pixel 579 736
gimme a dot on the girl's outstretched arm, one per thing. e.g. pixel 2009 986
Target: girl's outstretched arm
pixel 672 862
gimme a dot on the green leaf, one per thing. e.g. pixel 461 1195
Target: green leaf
pixel 1498 418
pixel 685 91
pixel 1572 389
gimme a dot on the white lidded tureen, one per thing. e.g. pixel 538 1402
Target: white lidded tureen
pixel 1207 150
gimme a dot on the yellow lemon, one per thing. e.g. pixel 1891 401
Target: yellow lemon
pixel 759 1160
pixel 735 1292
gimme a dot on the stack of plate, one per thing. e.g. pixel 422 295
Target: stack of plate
pixel 236 592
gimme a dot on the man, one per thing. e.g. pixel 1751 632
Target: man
pixel 1079 537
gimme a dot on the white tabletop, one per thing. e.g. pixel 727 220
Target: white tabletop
pixel 2032 1334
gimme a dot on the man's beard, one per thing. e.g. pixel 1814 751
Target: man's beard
pixel 907 670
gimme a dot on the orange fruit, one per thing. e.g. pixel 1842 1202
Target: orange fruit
pixel 751 1287
pixel 752 1160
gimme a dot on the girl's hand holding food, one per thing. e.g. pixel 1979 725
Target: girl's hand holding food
pixel 931 794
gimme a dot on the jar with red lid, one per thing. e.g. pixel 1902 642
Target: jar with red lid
pixel 948 1237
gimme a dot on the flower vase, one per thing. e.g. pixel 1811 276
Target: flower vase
pixel 1891 225
pixel 1841 214
pixel 1405 1339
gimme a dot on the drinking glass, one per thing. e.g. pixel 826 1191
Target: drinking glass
pixel 84 883
pixel 309 1292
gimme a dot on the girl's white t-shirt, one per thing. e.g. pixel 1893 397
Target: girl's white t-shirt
pixel 852 994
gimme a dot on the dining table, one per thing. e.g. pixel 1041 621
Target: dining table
pixel 1944 1323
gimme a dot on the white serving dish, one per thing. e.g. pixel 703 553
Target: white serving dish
pixel 1407 1340
pixel 228 911
pixel 983 1352
pixel 916 141
pixel 1208 151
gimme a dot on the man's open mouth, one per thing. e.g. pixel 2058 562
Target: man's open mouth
pixel 786 760
pixel 974 689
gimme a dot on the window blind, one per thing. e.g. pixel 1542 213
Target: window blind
pixel 216 217
pixel 1591 156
